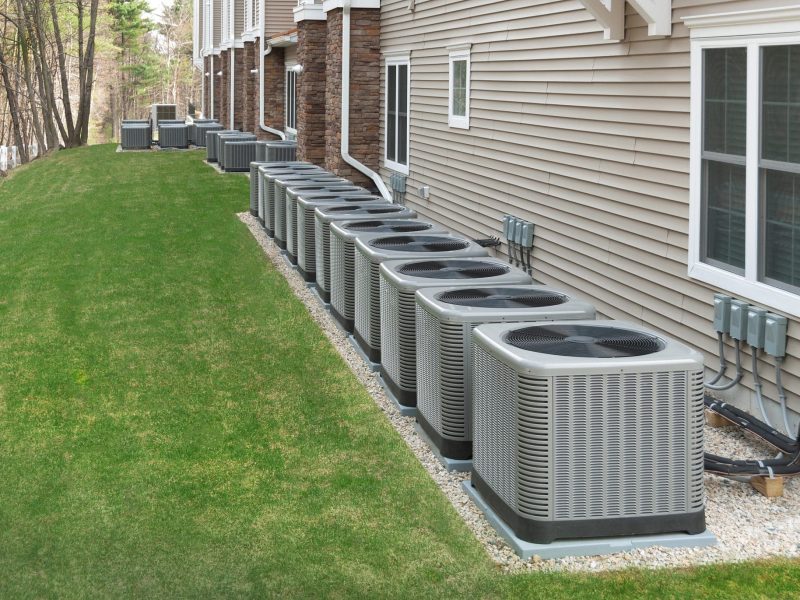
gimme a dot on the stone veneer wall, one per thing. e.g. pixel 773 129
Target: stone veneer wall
pixel 241 74
pixel 274 93
pixel 249 97
pixel 365 64
pixel 311 50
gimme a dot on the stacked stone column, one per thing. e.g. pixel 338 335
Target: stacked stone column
pixel 311 84
pixel 364 113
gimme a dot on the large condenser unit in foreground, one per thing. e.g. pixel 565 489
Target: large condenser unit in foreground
pixel 586 429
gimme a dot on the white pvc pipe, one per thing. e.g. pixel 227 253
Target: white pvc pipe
pixel 232 94
pixel 345 149
pixel 211 77
pixel 261 101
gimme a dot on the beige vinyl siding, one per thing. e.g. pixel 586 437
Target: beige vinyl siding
pixel 278 16
pixel 238 21
pixel 588 139
pixel 216 10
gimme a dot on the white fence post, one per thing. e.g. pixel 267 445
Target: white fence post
pixel 4 158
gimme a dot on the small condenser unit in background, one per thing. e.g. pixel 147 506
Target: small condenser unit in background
pixel 238 156
pixel 267 178
pixel 193 129
pixel 399 281
pixel 586 429
pixel 202 129
pixel 136 136
pixel 173 136
pixel 162 112
pixel 306 204
pixel 369 256
pixel 224 139
pixel 256 199
pixel 343 236
pixel 212 147
pixel 282 150
pixel 446 317
pixel 323 218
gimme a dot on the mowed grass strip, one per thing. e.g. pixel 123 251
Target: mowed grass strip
pixel 173 423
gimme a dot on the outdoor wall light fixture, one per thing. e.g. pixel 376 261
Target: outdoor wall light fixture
pixel 219 73
pixel 297 69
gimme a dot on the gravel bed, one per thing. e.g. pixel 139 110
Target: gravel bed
pixel 748 526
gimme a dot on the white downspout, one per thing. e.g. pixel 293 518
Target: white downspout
pixel 211 76
pixel 232 95
pixel 377 180
pixel 261 100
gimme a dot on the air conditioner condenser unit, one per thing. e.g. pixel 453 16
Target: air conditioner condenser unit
pixel 326 215
pixel 446 317
pixel 342 250
pixel 368 258
pixel 399 281
pixel 306 205
pixel 586 429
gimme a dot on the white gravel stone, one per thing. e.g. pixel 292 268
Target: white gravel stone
pixel 748 526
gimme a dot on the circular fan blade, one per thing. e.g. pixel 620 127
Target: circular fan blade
pixel 422 243
pixel 584 341
pixel 453 269
pixel 511 298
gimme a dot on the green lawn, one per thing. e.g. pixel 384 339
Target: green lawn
pixel 173 424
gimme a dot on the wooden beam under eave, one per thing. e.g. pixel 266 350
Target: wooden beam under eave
pixel 657 13
pixel 610 15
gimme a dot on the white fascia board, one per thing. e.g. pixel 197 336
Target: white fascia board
pixel 283 41
pixel 765 21
pixel 309 12
pixel 329 5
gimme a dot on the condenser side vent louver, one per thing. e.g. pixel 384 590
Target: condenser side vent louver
pixel 173 136
pixel 136 136
pixel 239 155
pixel 280 151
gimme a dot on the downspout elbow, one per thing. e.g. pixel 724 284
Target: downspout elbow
pixel 345 137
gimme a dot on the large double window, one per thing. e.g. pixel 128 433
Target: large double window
pixel 398 80
pixel 745 227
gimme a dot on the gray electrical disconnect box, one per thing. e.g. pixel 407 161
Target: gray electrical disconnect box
pixel 722 313
pixel 739 320
pixel 775 335
pixel 756 319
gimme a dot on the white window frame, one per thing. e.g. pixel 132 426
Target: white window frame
pixel 751 30
pixel 292 131
pixel 397 60
pixel 458 53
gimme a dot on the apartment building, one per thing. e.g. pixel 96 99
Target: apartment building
pixel 652 142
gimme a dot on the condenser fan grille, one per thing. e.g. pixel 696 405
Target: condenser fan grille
pixel 584 341
pixel 502 298
pixel 388 226
pixel 453 269
pixel 368 211
pixel 420 243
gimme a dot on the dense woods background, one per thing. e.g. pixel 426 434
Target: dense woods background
pixel 71 70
